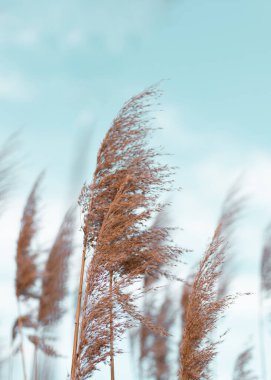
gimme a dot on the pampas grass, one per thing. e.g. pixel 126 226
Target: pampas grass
pixel 127 249
pixel 117 206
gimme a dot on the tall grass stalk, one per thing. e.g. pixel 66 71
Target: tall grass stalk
pixel 20 327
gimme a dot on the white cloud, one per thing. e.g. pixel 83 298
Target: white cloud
pixel 116 22
pixel 112 24
pixel 13 87
pixel 75 38
pixel 85 118
pixel 259 177
pixel 210 163
pixel 27 37
pixel 18 31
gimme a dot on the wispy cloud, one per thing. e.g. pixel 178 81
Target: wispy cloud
pixel 13 87
pixel 112 24
pixel 18 31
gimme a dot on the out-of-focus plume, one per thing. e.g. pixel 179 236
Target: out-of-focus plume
pixel 242 367
pixel 27 272
pixel 264 293
pixel 7 168
pixel 232 208
pixel 26 321
pixel 266 265
pixel 158 364
pixel 54 287
pixel 150 280
pixel 56 274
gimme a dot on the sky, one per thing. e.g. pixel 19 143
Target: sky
pixel 67 67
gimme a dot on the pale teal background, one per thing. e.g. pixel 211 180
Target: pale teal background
pixel 66 67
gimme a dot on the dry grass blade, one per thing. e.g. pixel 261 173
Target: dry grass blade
pixel 207 301
pixel 242 369
pixel 56 273
pixel 117 207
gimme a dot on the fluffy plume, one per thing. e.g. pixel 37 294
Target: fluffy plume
pixel 150 280
pixel 159 367
pixel 203 312
pixel 242 369
pixel 43 346
pixel 54 287
pixel 55 276
pixel 27 271
pixel 205 305
pixel 187 287
pixel 117 207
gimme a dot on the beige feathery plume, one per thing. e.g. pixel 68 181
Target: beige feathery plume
pixel 26 321
pixel 54 287
pixel 159 366
pixel 27 268
pixel 203 312
pixel 186 290
pixel 151 279
pixel 56 274
pixel 205 306
pixel 117 207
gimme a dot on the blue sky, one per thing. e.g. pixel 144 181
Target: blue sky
pixel 67 67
